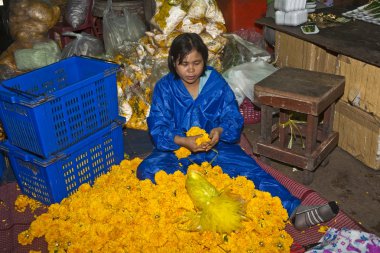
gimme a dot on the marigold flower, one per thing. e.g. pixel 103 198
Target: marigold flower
pixel 23 201
pixel 323 229
pixel 182 152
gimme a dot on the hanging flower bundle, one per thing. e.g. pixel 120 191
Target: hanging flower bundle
pixel 121 213
pixel 134 96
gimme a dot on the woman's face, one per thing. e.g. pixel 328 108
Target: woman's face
pixel 191 68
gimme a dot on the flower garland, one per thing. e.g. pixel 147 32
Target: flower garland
pixel 121 213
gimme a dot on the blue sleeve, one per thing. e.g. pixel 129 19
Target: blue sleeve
pixel 160 121
pixel 231 119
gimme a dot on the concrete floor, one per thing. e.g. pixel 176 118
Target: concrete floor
pixel 344 179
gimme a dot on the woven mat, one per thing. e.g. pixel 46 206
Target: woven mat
pixel 13 222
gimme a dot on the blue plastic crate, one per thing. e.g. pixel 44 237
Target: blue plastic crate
pixel 47 110
pixel 52 179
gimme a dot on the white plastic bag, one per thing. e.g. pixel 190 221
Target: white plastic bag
pixel 238 51
pixel 119 29
pixel 42 54
pixel 76 12
pixel 242 78
pixel 167 22
pixel 83 44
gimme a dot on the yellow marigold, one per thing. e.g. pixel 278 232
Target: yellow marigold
pixel 194 131
pixel 182 152
pixel 118 59
pixel 323 229
pixel 24 238
pixel 23 201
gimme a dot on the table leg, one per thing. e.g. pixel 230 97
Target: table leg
pixel 266 123
pixel 311 134
pixel 328 120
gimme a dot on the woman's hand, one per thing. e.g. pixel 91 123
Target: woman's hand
pixel 189 142
pixel 214 136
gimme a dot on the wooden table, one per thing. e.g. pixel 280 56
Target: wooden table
pixel 311 94
pixel 351 50
pixel 357 39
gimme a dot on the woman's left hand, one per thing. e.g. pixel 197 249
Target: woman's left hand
pixel 214 136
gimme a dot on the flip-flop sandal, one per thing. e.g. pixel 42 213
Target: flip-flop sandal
pixel 309 216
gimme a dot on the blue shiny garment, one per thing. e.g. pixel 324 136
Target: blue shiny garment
pixel 174 111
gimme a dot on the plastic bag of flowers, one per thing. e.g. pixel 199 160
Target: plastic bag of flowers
pixel 134 99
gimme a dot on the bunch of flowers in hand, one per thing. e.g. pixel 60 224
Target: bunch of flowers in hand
pixel 183 152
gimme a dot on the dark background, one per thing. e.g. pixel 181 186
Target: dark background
pixel 5 37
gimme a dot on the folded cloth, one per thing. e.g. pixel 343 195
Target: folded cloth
pixel 347 240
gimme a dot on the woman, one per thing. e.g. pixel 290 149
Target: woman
pixel 194 94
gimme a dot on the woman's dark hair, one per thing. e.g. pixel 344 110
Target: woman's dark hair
pixel 182 46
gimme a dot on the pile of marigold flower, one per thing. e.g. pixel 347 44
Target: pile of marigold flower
pixel 121 213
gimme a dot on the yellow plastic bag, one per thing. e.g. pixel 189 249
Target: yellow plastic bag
pixel 219 211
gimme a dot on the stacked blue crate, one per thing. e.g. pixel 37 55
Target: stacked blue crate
pixel 62 126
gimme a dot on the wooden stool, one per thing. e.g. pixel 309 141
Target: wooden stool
pixel 296 92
